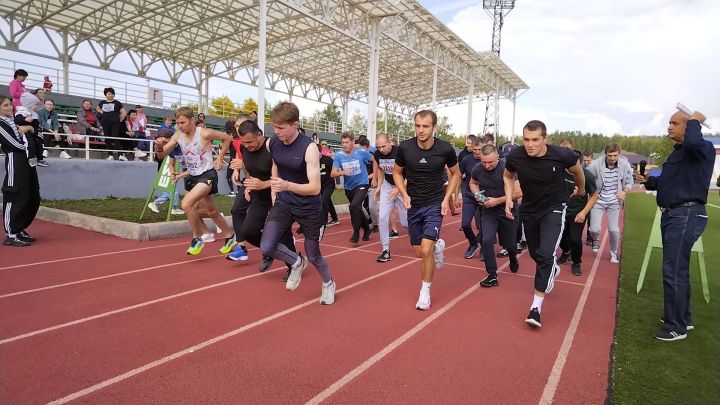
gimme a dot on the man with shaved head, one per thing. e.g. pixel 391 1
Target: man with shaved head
pixel 682 190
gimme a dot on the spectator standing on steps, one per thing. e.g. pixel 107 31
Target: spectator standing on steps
pixel 113 113
pixel 17 87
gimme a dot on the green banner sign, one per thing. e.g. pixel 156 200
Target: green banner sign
pixel 163 182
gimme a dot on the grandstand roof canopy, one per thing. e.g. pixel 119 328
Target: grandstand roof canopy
pixel 315 48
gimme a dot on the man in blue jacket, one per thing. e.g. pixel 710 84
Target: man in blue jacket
pixel 682 190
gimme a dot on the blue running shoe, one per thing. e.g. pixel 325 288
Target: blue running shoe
pixel 238 254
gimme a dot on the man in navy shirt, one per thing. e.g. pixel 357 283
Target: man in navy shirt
pixel 351 164
pixel 682 190
pixel 422 161
pixel 295 187
pixel 471 209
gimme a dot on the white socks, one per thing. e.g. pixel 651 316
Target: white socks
pixel 425 287
pixel 537 303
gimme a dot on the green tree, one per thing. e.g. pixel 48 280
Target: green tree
pixel 250 105
pixel 398 127
pixel 222 106
pixel 357 124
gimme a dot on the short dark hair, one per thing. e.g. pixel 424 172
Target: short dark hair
pixel 567 141
pixel 477 141
pixel 425 113
pixel 489 138
pixel 364 142
pixel 20 72
pixel 471 137
pixel 347 135
pixel 249 127
pixel 612 147
pixel 107 90
pixel 131 111
pixel 164 133
pixel 587 153
pixel 534 125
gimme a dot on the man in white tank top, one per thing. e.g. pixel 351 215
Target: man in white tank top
pixel 196 145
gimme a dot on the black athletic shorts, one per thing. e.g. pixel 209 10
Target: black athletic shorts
pixel 209 177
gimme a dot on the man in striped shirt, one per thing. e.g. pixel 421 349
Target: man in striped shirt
pixel 614 177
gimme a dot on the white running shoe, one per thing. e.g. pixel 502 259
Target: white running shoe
pixel 614 258
pixel 423 302
pixel 439 254
pixel 177 211
pixel 123 158
pixel 64 155
pixel 328 293
pixel 153 207
pixel 139 153
pixel 45 153
pixel 296 274
pixel 207 238
pixel 110 158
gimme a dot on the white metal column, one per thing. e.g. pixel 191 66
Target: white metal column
pixel 434 84
pixel 345 100
pixel 200 89
pixel 66 64
pixel 373 79
pixel 512 131
pixel 262 45
pixel 471 96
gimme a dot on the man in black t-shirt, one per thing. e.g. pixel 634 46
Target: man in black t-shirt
pixel 327 186
pixel 258 170
pixel 113 113
pixel 540 168
pixel 421 161
pixel 388 196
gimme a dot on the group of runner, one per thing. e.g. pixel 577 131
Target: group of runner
pixel 282 184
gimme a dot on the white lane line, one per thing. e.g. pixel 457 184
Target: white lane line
pixel 117 252
pixel 473 267
pixel 212 341
pixel 50 287
pixel 140 305
pixel 87 280
pixel 713 205
pixel 392 346
pixel 554 378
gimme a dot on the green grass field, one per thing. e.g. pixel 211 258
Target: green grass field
pixel 128 209
pixel 648 371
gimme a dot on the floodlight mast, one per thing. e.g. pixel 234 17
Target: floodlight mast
pixel 497 9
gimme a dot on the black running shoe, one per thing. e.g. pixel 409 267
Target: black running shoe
pixel 355 237
pixel 533 318
pixel 366 234
pixel 384 257
pixel 502 253
pixel 490 281
pixel 521 246
pixel 668 336
pixel 576 269
pixel 374 228
pixel 267 261
pixel 394 234
pixel 563 258
pixel 470 252
pixel 22 235
pixel 15 241
pixel 514 264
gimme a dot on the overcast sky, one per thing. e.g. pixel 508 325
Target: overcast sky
pixel 607 66
pixel 604 66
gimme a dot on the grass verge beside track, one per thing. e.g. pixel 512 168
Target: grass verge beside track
pixel 128 209
pixel 649 371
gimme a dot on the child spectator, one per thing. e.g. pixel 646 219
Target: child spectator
pixel 47 84
pixel 135 130
pixel 27 115
pixel 17 88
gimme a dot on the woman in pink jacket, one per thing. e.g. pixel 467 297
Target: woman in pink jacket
pixel 17 88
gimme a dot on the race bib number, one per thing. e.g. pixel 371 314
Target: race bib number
pixel 353 166
pixel 387 165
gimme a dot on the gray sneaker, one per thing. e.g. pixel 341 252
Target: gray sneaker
pixel 328 293
pixel 296 274
pixel 595 246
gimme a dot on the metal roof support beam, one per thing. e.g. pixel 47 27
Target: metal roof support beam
pixel 512 131
pixel 66 63
pixel 345 100
pixel 434 83
pixel 262 49
pixel 374 72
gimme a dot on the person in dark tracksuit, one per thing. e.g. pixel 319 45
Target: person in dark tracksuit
pixel 487 188
pixel 471 209
pixel 540 169
pixel 20 188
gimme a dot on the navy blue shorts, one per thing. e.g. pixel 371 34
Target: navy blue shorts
pixel 424 222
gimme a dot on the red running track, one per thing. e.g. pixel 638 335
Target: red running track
pixel 90 318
